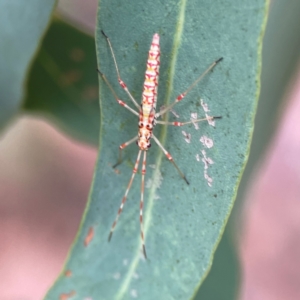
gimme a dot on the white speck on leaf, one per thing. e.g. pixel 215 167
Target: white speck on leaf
pixel 149 183
pixel 204 105
pixel 187 136
pixel 206 141
pixel 133 293
pixel 194 117
pixel 208 179
pixel 154 182
pixel 211 121
pixel 207 161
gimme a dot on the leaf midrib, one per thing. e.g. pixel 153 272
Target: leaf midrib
pixel 163 136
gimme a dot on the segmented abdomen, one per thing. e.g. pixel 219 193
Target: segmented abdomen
pixel 151 81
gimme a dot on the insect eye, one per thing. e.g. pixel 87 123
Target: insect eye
pixel 149 126
pixel 141 124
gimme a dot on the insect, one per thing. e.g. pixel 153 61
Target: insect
pixel 147 115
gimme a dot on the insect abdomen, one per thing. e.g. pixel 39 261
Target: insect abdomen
pixel 151 79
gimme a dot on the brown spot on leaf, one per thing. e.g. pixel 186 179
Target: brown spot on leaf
pixel 89 236
pixel 68 273
pixel 66 296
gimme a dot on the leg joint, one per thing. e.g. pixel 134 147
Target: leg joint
pixel 122 84
pixel 168 155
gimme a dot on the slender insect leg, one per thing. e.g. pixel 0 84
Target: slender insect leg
pixel 169 157
pixel 121 82
pixel 122 103
pixel 125 195
pixel 121 147
pixel 181 96
pixel 185 123
pixel 142 202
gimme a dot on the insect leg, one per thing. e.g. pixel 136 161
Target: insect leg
pixel 121 147
pixel 185 123
pixel 125 195
pixel 142 203
pixel 169 157
pixel 121 82
pixel 182 95
pixel 115 95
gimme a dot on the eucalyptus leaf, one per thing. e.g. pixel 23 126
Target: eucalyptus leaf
pixel 280 54
pixel 224 277
pixel 63 82
pixel 183 224
pixel 22 25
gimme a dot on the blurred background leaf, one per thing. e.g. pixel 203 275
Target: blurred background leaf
pixel 63 82
pixel 198 213
pixel 22 25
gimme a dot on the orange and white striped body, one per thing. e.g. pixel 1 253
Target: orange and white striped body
pixel 149 97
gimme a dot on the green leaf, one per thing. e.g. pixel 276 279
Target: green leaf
pixel 224 273
pixel 63 82
pixel 22 24
pixel 280 52
pixel 183 224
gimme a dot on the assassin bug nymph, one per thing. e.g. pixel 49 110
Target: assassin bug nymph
pixel 146 112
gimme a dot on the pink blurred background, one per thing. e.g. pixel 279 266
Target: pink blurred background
pixel 45 179
pixel 270 244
